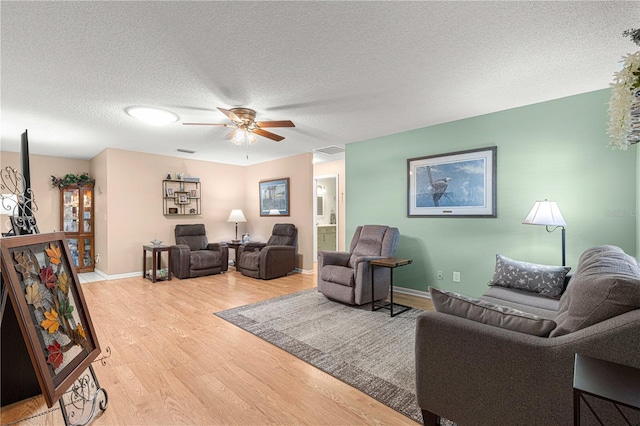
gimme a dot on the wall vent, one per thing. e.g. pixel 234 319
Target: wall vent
pixel 187 151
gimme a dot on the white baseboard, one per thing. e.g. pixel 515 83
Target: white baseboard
pixel 304 271
pixel 412 292
pixel 117 276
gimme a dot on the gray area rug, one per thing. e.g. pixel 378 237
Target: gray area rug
pixel 368 350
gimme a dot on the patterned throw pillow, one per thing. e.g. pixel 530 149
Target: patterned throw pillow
pixel 544 279
pixel 489 313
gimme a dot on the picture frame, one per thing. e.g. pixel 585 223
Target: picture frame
pixel 169 192
pixel 455 184
pixel 193 193
pixel 173 210
pixel 274 197
pixel 39 277
pixel 183 198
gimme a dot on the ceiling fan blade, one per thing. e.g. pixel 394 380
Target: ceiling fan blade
pixel 281 123
pixel 232 115
pixel 204 124
pixel 269 135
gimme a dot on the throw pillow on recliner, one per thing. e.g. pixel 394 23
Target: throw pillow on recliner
pixel 544 279
pixel 488 313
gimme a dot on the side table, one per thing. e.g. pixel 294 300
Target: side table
pixel 234 245
pixel 391 263
pixel 156 262
pixel 616 383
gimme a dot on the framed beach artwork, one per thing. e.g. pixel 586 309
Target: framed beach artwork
pixel 456 184
pixel 274 197
pixel 52 313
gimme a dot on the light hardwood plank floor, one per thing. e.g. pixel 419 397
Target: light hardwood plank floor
pixel 174 362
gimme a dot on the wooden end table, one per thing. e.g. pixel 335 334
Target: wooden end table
pixel 156 262
pixel 391 263
pixel 616 383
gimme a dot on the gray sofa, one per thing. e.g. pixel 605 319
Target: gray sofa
pixel 474 367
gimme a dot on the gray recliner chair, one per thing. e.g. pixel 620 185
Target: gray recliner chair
pixel 193 256
pixel 274 259
pixel 346 276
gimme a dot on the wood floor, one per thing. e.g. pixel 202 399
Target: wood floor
pixel 174 362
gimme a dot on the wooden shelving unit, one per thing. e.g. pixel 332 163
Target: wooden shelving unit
pixel 181 197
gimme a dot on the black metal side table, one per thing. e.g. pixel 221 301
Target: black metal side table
pixel 391 263
pixel 156 262
pixel 616 383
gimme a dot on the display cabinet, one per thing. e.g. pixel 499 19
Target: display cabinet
pixel 181 197
pixel 76 220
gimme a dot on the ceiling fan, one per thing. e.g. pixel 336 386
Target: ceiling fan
pixel 245 127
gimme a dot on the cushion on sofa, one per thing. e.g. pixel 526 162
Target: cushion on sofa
pixel 490 313
pixel 606 284
pixel 544 279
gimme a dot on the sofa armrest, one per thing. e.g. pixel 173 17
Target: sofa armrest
pixel 473 373
pixel 180 260
pixel 223 248
pixel 338 258
pixel 277 261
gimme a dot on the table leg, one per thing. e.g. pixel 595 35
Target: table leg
pixel 144 262
pixel 391 290
pixel 373 301
pixel 154 263
pixel 169 265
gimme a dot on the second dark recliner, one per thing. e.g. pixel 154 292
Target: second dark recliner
pixel 274 259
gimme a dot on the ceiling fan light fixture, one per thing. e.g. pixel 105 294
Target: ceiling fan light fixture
pixel 152 116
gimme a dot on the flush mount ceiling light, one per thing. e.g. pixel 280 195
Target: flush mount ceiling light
pixel 152 116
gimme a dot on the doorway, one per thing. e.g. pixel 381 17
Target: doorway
pixel 325 207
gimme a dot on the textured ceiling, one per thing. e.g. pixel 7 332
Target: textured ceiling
pixel 341 71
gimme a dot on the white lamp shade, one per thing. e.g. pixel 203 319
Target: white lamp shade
pixel 236 216
pixel 545 213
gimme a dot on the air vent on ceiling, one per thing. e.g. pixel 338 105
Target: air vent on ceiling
pixel 331 149
pixel 187 151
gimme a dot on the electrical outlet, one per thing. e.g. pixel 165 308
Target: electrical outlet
pixel 456 277
pixel 97 258
pixel 439 275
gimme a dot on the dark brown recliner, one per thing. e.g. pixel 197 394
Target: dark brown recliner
pixel 274 259
pixel 193 256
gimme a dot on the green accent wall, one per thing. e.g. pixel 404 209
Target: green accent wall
pixel 554 150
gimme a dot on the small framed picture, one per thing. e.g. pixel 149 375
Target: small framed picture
pixel 193 193
pixel 182 198
pixel 173 210
pixel 169 192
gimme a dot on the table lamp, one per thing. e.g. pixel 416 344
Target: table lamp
pixel 236 216
pixel 547 213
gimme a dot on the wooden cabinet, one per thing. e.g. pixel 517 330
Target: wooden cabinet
pixel 76 220
pixel 180 197
pixel 327 238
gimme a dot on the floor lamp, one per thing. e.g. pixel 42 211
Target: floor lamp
pixel 236 216
pixel 547 213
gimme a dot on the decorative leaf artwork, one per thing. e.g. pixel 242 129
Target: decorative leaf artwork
pixel 54 254
pixel 51 322
pixel 54 303
pixel 66 308
pixel 55 354
pixel 47 277
pixel 25 264
pixel 63 282
pixel 34 297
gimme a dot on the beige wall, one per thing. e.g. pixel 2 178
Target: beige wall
pixel 336 168
pixel 128 201
pixel 135 212
pixel 47 197
pixel 299 170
